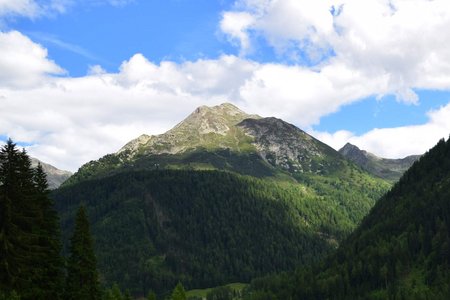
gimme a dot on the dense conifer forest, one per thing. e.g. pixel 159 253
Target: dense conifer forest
pixel 400 251
pixel 205 228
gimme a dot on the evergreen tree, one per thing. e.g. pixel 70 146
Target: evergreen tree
pixel 178 292
pixel 30 262
pixel 82 276
pixel 51 279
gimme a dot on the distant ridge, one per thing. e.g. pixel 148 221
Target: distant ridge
pixel 389 169
pixel 55 176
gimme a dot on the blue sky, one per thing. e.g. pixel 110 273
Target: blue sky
pixel 109 70
pixel 107 35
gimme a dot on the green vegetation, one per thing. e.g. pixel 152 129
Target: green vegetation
pixel 82 277
pixel 31 266
pixel 30 263
pixel 400 251
pixel 178 292
pixel 207 228
pixel 230 291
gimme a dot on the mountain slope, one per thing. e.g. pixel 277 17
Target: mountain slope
pixel 55 176
pixel 389 169
pixel 300 200
pixel 401 250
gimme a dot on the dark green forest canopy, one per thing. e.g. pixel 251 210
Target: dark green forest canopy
pixel 400 251
pixel 206 228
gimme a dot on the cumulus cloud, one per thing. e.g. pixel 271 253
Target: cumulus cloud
pixel 396 142
pixel 235 25
pixel 401 41
pixel 23 63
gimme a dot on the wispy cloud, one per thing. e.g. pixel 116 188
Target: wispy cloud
pixel 56 41
pixel 44 8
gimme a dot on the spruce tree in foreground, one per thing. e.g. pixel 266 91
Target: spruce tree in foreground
pixel 82 277
pixel 30 262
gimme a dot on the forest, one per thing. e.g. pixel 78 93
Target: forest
pixel 205 228
pixel 264 232
pixel 400 251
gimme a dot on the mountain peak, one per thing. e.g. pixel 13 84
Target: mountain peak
pixel 212 119
pixel 224 108
pixel 348 149
pixel 206 126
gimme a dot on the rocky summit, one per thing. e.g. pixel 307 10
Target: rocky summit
pixel 206 127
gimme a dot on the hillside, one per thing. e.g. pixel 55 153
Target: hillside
pixel 389 169
pixel 400 251
pixel 222 197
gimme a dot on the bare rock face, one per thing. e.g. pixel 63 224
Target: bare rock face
pixel 282 144
pixel 55 176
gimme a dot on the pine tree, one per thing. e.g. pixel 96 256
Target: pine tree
pixel 179 293
pixel 82 277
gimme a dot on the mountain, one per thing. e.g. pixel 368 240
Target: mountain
pixel 389 169
pixel 55 176
pixel 222 197
pixel 401 250
pixel 223 138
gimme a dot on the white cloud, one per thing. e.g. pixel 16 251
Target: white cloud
pixel 28 8
pixel 235 24
pixel 396 142
pixel 402 41
pixel 23 63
